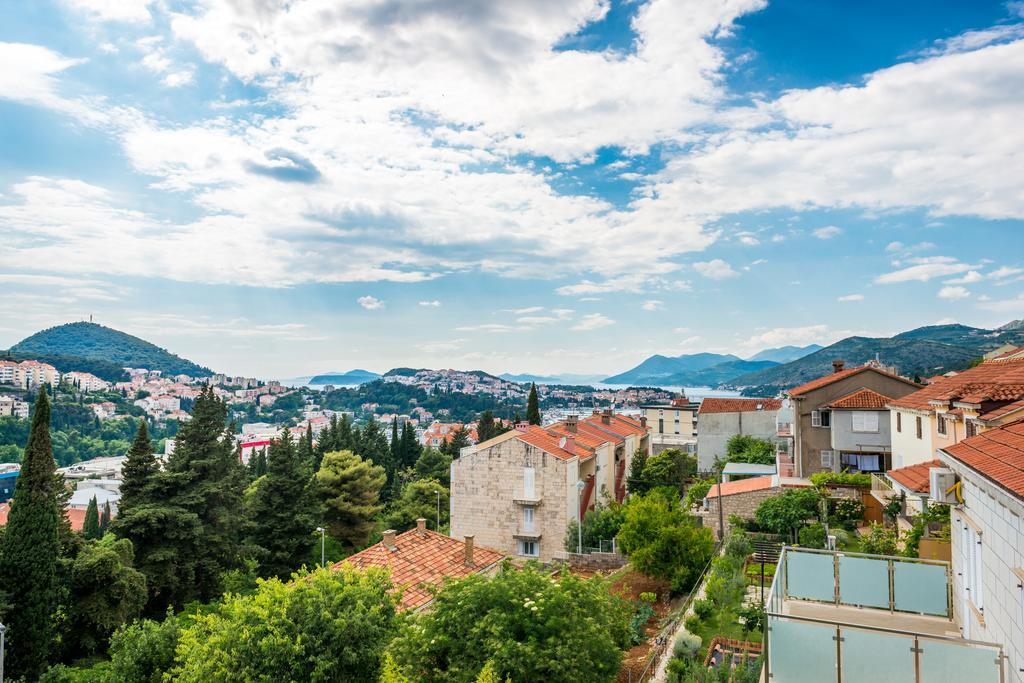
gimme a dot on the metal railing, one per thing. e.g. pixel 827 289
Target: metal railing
pixel 795 644
pixel 881 488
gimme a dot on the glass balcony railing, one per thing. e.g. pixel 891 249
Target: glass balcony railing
pixel 849 617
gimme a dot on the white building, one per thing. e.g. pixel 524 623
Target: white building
pixel 720 419
pixel 86 381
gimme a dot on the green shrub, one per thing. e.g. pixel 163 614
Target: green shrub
pixel 686 645
pixel 813 536
pixel 692 623
pixel 847 511
pixel 880 540
pixel 648 597
pixel 841 479
pixel 703 608
pixel 641 616
pixel 696 492
pixel 739 545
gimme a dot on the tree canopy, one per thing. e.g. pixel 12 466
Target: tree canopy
pixel 349 488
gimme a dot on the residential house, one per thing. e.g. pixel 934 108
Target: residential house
pixel 673 424
pixel 440 433
pixel 419 560
pixel 519 491
pixel 11 406
pixel 988 538
pixel 86 381
pixel 720 419
pixel 944 413
pixel 741 498
pixel 821 447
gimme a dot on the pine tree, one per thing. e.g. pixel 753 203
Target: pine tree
pixel 105 517
pixel 139 469
pixel 29 552
pixel 305 452
pixel 281 514
pixel 410 447
pixel 453 446
pixel 533 406
pixel 485 427
pixel 396 451
pixel 349 488
pixel 345 439
pixel 91 525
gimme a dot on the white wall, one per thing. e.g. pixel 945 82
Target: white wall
pixel 907 449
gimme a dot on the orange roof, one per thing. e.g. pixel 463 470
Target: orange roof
pixel 75 516
pixel 862 399
pixel 620 425
pixel 843 374
pixel 731 488
pixel 582 437
pixel 738 405
pixel 914 477
pixel 997 454
pixel 999 380
pixel 549 443
pixel 420 561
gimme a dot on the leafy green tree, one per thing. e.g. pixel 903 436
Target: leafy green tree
pixel 409 447
pixel 282 514
pixel 454 445
pixel 749 449
pixel 663 541
pixel 529 625
pixel 29 552
pixel 433 464
pixel 419 499
pixel 106 592
pixel 91 524
pixel 533 406
pixel 880 540
pixel 391 673
pixel 635 481
pixel 349 489
pixel 143 651
pixel 330 626
pixel 788 511
pixel 600 524
pixel 485 428
pixel 697 492
pixel 671 467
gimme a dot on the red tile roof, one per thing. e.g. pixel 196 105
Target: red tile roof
pixel 914 477
pixel 738 405
pixel 731 488
pixel 862 399
pixel 1002 411
pixel 617 424
pixel 421 561
pixel 74 515
pixel 551 443
pixel 843 374
pixel 993 380
pixel 997 454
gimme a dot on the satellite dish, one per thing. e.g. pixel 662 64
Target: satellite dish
pixel 561 442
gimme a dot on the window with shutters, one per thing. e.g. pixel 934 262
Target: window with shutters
pixel 865 421
pixel 826 459
pixel 941 426
pixel 529 548
pixel 826 418
pixel 527 519
pixel 815 418
pixel 973 567
pixel 920 430
pixel 972 428
pixel 529 491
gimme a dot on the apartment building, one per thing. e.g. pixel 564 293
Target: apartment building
pixel 988 539
pixel 673 424
pixel 86 381
pixel 840 419
pixel 954 408
pixel 720 419
pixel 11 406
pixel 28 374
pixel 518 492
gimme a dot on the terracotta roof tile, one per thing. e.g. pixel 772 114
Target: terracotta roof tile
pixel 991 380
pixel 862 399
pixel 997 454
pixel 731 488
pixel 549 443
pixel 421 561
pixel 914 477
pixel 842 374
pixel 738 405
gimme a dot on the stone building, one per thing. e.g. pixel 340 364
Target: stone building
pixel 518 492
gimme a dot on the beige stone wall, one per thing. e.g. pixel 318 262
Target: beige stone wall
pixel 741 504
pixel 486 483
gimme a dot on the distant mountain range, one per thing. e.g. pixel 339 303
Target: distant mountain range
pixel 101 350
pixel 705 369
pixel 785 354
pixel 552 379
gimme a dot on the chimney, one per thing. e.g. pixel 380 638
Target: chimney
pixel 421 526
pixel 606 416
pixel 837 365
pixel 469 550
pixel 571 421
pixel 567 443
pixel 389 540
pixel 643 421
pixel 522 426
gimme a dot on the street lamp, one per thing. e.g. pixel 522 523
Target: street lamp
pixel 323 545
pixel 580 485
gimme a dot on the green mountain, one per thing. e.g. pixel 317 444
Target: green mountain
pixel 344 378
pixel 94 342
pixel 661 370
pixel 924 351
pixel 785 354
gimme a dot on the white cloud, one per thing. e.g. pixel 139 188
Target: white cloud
pixel 370 303
pixel 827 232
pixel 715 269
pixel 748 239
pixel 431 304
pixel 652 305
pixel 925 268
pixel 127 11
pixel 796 336
pixel 441 346
pixel 1012 306
pixel 894 246
pixel 851 297
pixel 970 277
pixel 593 321
pixel 1004 272
pixel 953 293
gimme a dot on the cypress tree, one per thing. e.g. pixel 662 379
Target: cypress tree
pixel 306 455
pixel 139 469
pixel 485 427
pixel 91 525
pixel 410 446
pixel 30 552
pixel 344 440
pixel 396 446
pixel 281 514
pixel 105 517
pixel 533 406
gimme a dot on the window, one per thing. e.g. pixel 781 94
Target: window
pixel 815 418
pixel 527 519
pixel 826 459
pixel 899 422
pixel 941 426
pixel 972 428
pixel 865 421
pixel 661 426
pixel 529 548
pixel 529 491
pixel 917 421
pixel 973 566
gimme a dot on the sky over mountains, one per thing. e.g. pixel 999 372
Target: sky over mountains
pixel 278 188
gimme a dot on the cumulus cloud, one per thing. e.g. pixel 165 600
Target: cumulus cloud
pixel 715 269
pixel 370 303
pixel 851 297
pixel 126 11
pixel 827 232
pixel 953 293
pixel 652 305
pixel 593 321
pixel 925 268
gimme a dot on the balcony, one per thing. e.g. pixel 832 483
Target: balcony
pixel 881 489
pixel 853 618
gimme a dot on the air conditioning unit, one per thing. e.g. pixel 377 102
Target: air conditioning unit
pixel 940 480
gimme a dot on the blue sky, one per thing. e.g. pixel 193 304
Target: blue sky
pixel 533 186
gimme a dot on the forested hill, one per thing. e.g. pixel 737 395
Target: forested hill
pixel 98 343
